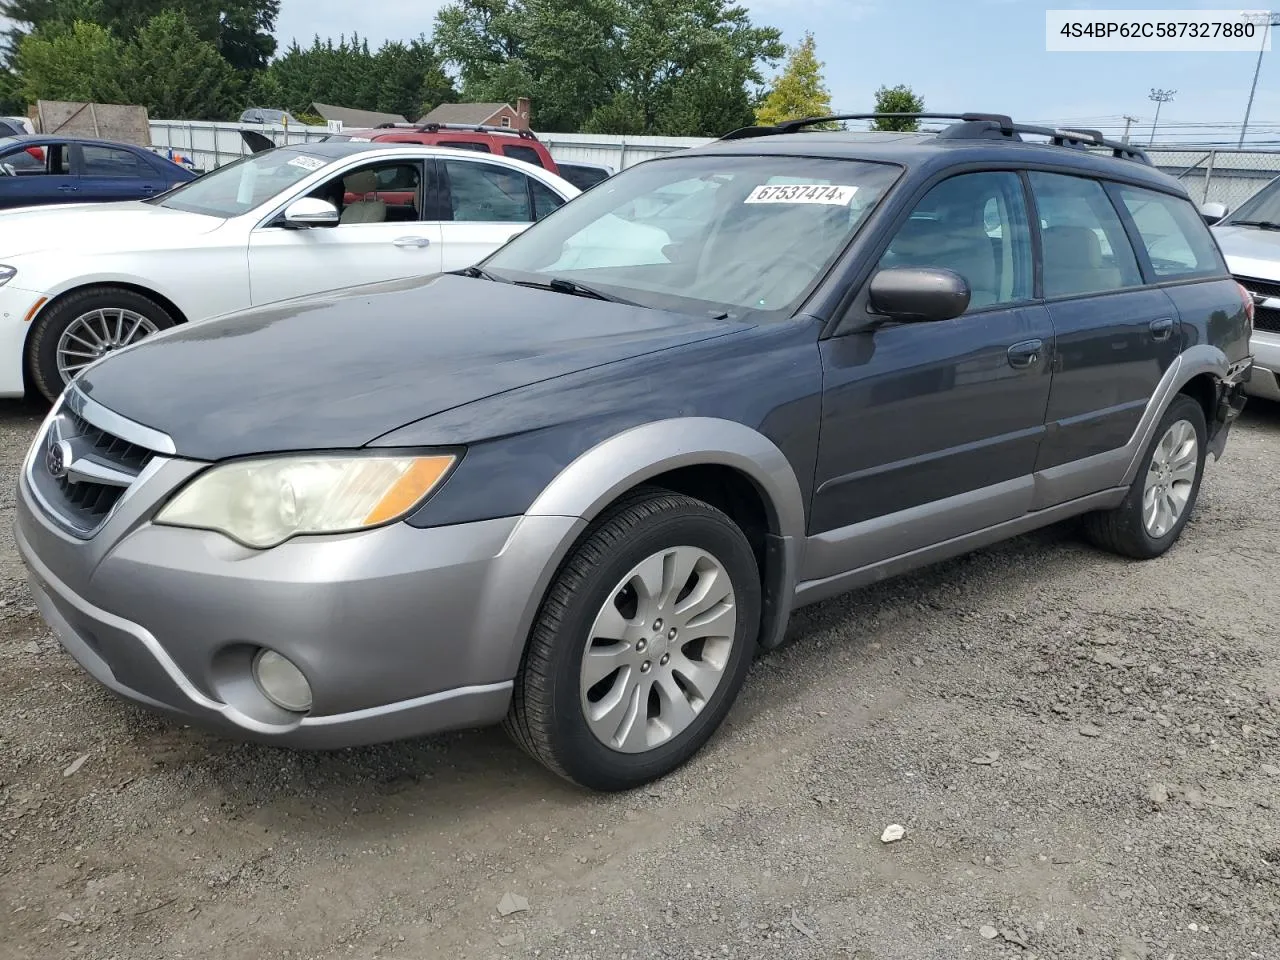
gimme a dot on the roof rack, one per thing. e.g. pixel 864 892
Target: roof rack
pixel 434 127
pixel 969 126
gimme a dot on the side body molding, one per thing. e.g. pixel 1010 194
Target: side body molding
pixel 599 476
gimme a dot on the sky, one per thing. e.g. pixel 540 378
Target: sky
pixel 960 55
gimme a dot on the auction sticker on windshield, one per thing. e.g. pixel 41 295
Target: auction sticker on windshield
pixel 307 163
pixel 829 194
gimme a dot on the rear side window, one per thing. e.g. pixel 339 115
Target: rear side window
pixel 109 162
pixel 487 193
pixel 520 152
pixel 544 199
pixel 1176 239
pixel 476 145
pixel 1084 244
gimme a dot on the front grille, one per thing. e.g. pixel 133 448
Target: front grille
pixel 1264 318
pixel 92 471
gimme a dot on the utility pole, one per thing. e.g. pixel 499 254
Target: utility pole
pixel 1267 20
pixel 1161 97
pixel 1127 121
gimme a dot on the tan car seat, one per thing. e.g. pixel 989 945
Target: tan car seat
pixel 363 183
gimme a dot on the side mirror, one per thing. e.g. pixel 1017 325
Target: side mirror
pixel 919 294
pixel 311 212
pixel 1214 212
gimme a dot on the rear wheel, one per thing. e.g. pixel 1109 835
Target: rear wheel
pixel 1163 495
pixel 641 645
pixel 85 326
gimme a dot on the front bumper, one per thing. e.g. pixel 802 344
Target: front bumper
pixel 1265 382
pixel 400 631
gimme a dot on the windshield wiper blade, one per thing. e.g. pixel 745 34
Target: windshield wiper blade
pixel 1264 224
pixel 572 287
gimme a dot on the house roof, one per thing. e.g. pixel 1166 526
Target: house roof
pixel 476 113
pixel 355 118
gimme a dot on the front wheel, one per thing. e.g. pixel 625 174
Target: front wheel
pixel 641 645
pixel 1163 495
pixel 85 326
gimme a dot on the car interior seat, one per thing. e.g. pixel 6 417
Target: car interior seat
pixel 364 210
pixel 1073 262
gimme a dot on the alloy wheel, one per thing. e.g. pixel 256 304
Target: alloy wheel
pixel 1170 479
pixel 93 335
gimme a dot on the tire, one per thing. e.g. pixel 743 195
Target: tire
pixel 55 320
pixel 1125 530
pixel 549 710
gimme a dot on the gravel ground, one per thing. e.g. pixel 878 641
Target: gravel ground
pixel 1084 753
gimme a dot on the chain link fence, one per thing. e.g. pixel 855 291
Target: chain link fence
pixel 1221 176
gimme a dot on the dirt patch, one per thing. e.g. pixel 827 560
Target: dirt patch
pixel 1084 753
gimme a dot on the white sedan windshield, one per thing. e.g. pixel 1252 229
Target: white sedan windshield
pixel 243 185
pixel 728 233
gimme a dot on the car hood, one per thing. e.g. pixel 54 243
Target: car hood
pixel 88 227
pixel 1250 251
pixel 340 370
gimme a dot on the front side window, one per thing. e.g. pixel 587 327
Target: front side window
pixel 1176 238
pixel 244 184
pixel 732 235
pixel 110 162
pixel 35 159
pixel 386 192
pixel 487 193
pixel 1085 248
pixel 976 225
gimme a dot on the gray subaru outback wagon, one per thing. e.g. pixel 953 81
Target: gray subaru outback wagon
pixel 577 487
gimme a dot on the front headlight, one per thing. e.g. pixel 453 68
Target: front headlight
pixel 7 274
pixel 262 503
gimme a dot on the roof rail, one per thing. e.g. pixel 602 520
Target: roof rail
pixel 434 127
pixel 970 126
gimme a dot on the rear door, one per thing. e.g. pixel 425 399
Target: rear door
pixel 1116 335
pixel 482 206
pixel 381 236
pixel 37 173
pixel 111 173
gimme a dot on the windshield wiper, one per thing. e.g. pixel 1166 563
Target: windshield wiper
pixel 1263 224
pixel 475 273
pixel 576 289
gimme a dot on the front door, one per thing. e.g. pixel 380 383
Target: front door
pixel 36 174
pixel 381 236
pixel 937 423
pixel 1115 336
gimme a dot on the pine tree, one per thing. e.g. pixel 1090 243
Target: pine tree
pixel 799 90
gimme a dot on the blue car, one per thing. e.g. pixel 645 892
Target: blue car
pixel 36 170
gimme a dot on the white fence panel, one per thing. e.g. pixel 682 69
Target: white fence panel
pixel 211 145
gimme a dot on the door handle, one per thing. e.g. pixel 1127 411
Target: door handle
pixel 412 242
pixel 1162 328
pixel 1025 354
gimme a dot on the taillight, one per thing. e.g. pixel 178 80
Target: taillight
pixel 1247 297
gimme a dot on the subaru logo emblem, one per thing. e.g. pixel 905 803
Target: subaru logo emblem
pixel 57 458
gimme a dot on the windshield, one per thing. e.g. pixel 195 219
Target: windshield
pixel 723 233
pixel 1263 206
pixel 244 184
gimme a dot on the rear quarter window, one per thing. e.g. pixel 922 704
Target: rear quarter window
pixel 519 151
pixel 1176 239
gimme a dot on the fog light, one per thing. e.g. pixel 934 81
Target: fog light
pixel 281 682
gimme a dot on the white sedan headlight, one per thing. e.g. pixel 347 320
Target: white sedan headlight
pixel 262 503
pixel 7 273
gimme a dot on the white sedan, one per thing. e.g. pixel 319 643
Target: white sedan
pixel 77 281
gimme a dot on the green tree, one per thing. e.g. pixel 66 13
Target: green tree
pixel 81 62
pixel 798 91
pixel 169 70
pixel 611 66
pixel 899 99
pixel 241 29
